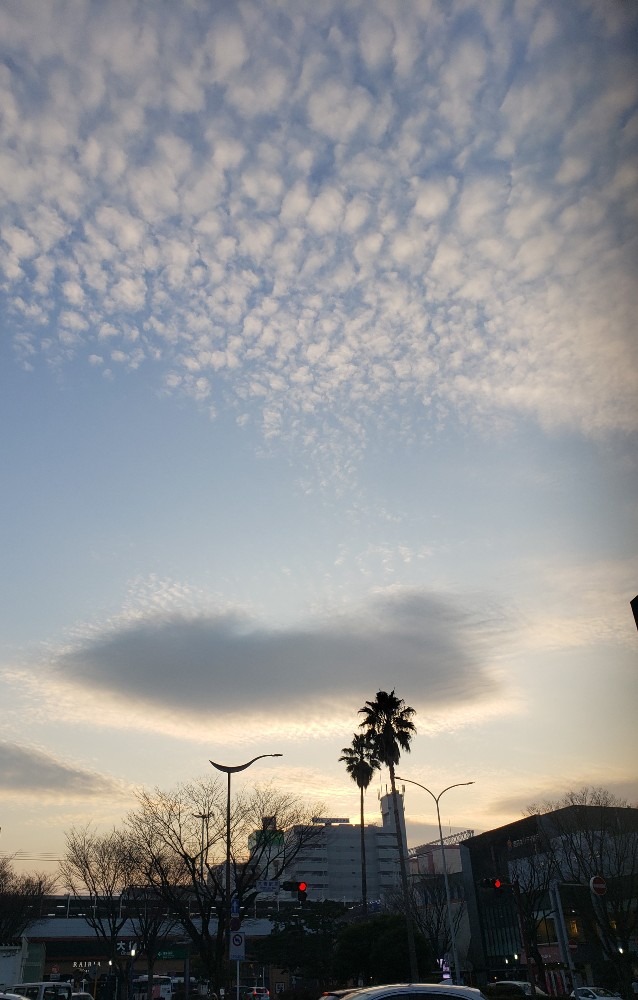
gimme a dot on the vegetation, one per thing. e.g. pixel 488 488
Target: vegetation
pixel 428 904
pixel 107 868
pixel 180 841
pixel 389 727
pixel 376 951
pixel 323 944
pixel 167 867
pixel 20 900
pixel 361 763
pixel 303 941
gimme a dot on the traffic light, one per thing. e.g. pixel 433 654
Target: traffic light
pixel 492 883
pixel 298 887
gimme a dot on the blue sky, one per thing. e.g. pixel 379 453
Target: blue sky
pixel 319 376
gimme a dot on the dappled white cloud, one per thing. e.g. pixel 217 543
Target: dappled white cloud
pixel 252 196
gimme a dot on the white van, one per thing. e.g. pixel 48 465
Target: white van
pixel 162 988
pixel 43 991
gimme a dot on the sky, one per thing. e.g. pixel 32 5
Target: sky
pixel 319 376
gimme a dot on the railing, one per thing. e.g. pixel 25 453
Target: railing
pixel 451 841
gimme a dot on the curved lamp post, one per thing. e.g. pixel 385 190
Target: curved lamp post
pixel 228 771
pixel 459 784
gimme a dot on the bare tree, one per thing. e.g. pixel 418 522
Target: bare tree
pixel 429 912
pixel 180 838
pixel 124 909
pixel 20 899
pixel 531 878
pixel 429 905
pixel 593 833
pixel 151 921
pixel 101 866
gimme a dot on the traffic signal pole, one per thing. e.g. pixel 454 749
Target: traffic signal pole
pixel 498 885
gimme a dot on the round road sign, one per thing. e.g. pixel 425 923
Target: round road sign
pixel 598 885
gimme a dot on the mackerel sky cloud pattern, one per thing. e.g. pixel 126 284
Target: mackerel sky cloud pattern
pixel 328 212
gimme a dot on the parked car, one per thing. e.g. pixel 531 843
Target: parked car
pixel 337 994
pixel 514 985
pixel 494 991
pixel 257 992
pixel 593 993
pixel 423 991
pixel 58 990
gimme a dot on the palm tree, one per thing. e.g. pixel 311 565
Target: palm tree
pixel 361 764
pixel 388 725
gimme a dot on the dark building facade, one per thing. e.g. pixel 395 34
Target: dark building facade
pixel 544 921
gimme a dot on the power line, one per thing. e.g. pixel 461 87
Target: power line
pixel 28 856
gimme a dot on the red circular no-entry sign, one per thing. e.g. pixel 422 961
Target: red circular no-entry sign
pixel 598 885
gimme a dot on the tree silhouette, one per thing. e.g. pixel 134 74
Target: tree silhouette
pixel 20 900
pixel 389 727
pixel 361 763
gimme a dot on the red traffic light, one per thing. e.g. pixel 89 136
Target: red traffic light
pixel 302 886
pixel 492 883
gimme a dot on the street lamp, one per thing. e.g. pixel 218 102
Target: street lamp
pixel 228 771
pixel 204 816
pixel 459 784
pixel 131 970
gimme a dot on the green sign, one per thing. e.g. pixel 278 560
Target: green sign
pixel 176 951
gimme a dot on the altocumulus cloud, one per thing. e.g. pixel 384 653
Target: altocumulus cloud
pixel 430 648
pixel 25 770
pixel 329 212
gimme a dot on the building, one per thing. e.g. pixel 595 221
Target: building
pixel 330 863
pixel 428 864
pixel 545 921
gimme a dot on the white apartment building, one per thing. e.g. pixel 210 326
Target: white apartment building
pixel 331 864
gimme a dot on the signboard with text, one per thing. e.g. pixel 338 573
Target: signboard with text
pixel 267 885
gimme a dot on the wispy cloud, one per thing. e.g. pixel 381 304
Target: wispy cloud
pixel 28 770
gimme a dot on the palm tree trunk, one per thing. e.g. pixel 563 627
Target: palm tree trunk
pixel 364 876
pixel 414 969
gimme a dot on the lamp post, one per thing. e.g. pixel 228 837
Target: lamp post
pixel 202 859
pixel 131 971
pixel 228 771
pixel 459 784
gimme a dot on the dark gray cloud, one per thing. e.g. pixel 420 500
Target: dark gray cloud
pixel 427 647
pixel 31 770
